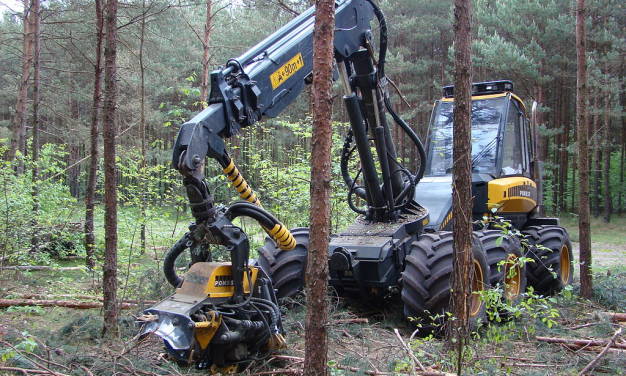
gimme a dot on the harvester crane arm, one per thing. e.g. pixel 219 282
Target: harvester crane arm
pixel 224 314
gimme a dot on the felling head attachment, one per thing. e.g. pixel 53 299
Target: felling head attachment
pixel 201 325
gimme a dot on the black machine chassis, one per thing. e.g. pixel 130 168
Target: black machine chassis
pixel 369 257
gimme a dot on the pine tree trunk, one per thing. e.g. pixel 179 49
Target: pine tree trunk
pixel 583 153
pixel 142 96
pixel 596 191
pixel 316 337
pixel 18 140
pixel 458 332
pixel 206 40
pixel 556 171
pixel 109 279
pixel 36 18
pixel 564 157
pixel 606 140
pixel 622 98
pixel 90 195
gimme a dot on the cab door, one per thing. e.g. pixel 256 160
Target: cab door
pixel 514 159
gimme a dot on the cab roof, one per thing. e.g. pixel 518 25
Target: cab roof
pixel 483 88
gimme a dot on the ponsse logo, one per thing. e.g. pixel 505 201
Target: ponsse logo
pixel 224 280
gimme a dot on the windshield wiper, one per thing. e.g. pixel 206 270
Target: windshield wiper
pixel 485 152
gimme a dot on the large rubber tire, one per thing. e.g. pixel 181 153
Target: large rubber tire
pixel 501 247
pixel 414 290
pixel 553 268
pixel 427 279
pixel 286 269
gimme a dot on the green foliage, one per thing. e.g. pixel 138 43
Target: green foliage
pixel 27 309
pixel 609 289
pixel 18 222
pixel 27 344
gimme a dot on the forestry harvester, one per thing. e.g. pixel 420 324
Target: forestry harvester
pixel 223 315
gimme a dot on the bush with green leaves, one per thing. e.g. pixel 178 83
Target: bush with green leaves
pixel 51 224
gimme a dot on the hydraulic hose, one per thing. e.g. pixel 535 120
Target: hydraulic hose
pixel 414 138
pixel 172 254
pixel 272 226
pixel 276 230
pixel 382 51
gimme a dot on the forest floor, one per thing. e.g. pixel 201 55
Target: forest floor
pixel 362 338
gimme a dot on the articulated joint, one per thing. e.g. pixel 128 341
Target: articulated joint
pixel 279 233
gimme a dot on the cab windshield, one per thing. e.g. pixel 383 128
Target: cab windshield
pixel 486 117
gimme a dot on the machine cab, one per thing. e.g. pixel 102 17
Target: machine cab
pixel 501 156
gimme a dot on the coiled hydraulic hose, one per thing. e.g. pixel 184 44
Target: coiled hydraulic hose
pixel 172 254
pixel 346 152
pixel 272 226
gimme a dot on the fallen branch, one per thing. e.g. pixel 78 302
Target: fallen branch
pixel 350 321
pixel 285 371
pixel 616 317
pixel 77 297
pixel 595 360
pixel 506 358
pixel 580 342
pixel 536 365
pixel 582 326
pixel 32 268
pixel 57 303
pixel 408 350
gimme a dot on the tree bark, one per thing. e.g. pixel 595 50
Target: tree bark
pixel 142 96
pixel 36 23
pixel 206 40
pixel 564 156
pixel 606 140
pixel 316 337
pixel 583 153
pixel 596 128
pixel 458 331
pixel 90 195
pixel 109 279
pixel 18 140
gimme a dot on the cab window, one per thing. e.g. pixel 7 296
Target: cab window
pixel 512 153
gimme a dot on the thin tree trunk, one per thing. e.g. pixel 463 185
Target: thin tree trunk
pixel 622 98
pixel 36 18
pixel 540 145
pixel 596 192
pixel 206 40
pixel 564 155
pixel 583 153
pixel 622 190
pixel 109 279
pixel 458 332
pixel 316 336
pixel 142 95
pixel 558 145
pixel 90 196
pixel 607 207
pixel 18 140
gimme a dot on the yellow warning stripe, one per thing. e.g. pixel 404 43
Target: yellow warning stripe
pixel 281 235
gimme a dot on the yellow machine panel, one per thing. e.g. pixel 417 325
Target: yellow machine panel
pixel 213 280
pixel 512 195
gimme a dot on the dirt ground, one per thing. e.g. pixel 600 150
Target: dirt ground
pixel 604 255
pixel 368 345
